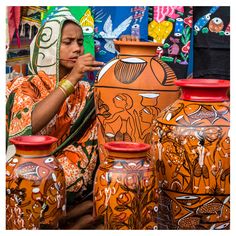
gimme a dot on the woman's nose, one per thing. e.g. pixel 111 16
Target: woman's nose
pixel 77 48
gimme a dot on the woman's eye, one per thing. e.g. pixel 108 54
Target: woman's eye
pixel 80 44
pixel 66 42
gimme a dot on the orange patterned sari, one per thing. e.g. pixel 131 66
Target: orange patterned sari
pixel 73 125
pixel 79 156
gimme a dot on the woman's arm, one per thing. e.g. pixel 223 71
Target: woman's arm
pixel 46 109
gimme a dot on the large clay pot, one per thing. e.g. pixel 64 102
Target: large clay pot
pixel 35 185
pixel 125 189
pixel 129 91
pixel 192 151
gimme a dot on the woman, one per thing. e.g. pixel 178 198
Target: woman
pixel 54 101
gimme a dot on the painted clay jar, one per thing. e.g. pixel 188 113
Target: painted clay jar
pixel 130 90
pixel 125 189
pixel 191 145
pixel 35 184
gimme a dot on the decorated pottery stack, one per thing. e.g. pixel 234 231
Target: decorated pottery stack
pixel 191 145
pixel 35 185
pixel 129 91
pixel 125 190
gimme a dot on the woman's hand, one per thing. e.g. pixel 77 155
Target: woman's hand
pixel 129 38
pixel 83 64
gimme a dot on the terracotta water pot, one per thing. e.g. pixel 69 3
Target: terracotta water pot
pixel 129 91
pixel 191 145
pixel 125 189
pixel 35 184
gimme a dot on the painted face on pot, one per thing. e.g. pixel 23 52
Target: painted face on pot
pixel 123 101
pixel 216 25
pixel 119 101
pixel 147 114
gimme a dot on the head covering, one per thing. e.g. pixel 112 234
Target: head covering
pixel 45 47
pixel 84 15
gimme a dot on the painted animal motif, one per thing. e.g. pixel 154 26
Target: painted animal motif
pixel 204 19
pixel 32 171
pixel 87 23
pixel 108 34
pixel 173 50
pixel 216 25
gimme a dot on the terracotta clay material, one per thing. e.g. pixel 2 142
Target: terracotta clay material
pixel 35 184
pixel 125 188
pixel 191 145
pixel 130 90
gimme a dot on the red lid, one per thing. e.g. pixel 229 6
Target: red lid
pixel 205 90
pixel 123 146
pixel 203 83
pixel 33 142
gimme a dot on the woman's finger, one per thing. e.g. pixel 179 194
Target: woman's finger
pixel 87 55
pixel 93 68
pixel 89 62
pixel 98 63
pixel 135 38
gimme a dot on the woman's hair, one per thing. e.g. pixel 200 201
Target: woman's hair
pixel 66 22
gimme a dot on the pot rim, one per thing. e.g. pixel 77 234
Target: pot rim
pixel 203 82
pixel 123 146
pixel 136 43
pixel 33 140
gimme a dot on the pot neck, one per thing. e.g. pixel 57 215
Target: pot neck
pixel 136 48
pixel 126 150
pixel 33 153
pixel 204 90
pixel 126 155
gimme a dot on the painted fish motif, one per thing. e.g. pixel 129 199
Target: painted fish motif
pixel 32 171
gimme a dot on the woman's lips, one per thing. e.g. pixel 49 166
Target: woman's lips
pixel 73 58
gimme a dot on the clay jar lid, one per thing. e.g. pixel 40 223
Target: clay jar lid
pixel 209 83
pixel 33 142
pixel 122 149
pixel 204 89
pixel 137 47
pixel 122 146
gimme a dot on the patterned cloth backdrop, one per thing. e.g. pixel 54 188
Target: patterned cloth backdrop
pixel 171 26
pixel 211 27
pixel 112 22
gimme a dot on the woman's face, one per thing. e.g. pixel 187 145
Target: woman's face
pixel 71 44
